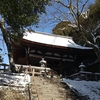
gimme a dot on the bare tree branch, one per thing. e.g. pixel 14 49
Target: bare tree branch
pixel 59 1
pixel 84 5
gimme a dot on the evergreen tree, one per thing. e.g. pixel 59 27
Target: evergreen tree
pixel 17 15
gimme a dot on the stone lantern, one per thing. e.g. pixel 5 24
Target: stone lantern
pixel 82 66
pixel 82 74
pixel 43 63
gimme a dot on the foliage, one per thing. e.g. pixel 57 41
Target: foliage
pixel 22 13
pixel 91 24
pixel 16 15
pixel 62 28
pixel 94 15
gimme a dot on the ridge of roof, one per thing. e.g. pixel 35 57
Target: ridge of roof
pixel 49 34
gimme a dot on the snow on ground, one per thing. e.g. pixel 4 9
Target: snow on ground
pixel 90 89
pixel 7 79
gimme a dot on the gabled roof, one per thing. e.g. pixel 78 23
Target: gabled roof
pixel 52 39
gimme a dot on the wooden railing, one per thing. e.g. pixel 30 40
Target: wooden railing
pixel 3 67
pixel 36 70
pixel 82 75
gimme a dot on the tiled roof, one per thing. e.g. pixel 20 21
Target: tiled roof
pixel 52 39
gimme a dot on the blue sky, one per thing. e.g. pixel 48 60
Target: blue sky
pixel 4 50
pixel 46 25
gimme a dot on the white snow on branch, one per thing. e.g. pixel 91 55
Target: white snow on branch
pixel 93 33
pixel 85 14
pixel 73 25
pixel 97 38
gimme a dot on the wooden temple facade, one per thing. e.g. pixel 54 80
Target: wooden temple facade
pixel 60 52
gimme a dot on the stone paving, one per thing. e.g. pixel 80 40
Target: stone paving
pixel 52 89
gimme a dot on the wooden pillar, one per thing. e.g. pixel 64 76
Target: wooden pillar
pixel 33 72
pixel 27 55
pixel 60 65
pixel 4 68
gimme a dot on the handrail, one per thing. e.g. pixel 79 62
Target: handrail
pixel 36 88
pixel 86 76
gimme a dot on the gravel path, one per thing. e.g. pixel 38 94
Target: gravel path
pixel 52 89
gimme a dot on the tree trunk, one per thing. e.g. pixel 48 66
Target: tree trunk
pixel 7 41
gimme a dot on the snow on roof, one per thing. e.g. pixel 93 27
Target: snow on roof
pixel 52 39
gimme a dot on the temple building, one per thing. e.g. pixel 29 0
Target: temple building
pixel 60 52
